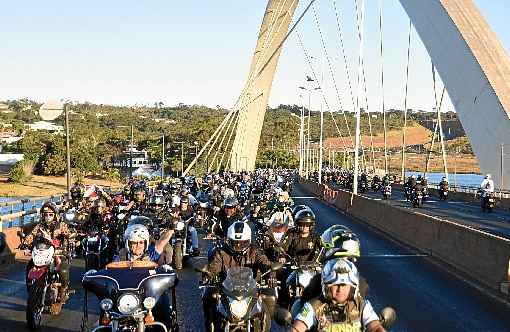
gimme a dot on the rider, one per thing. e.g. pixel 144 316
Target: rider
pixel 139 201
pixel 341 306
pixel 237 251
pixel 137 243
pixel 444 183
pixel 487 184
pixel 55 231
pixel 227 217
pixel 302 243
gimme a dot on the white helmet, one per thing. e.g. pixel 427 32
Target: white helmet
pixel 488 176
pixel 239 237
pixel 279 219
pixel 339 271
pixel 136 233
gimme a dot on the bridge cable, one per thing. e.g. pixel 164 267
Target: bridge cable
pixel 220 145
pixel 405 102
pixel 366 99
pixel 316 79
pixel 381 35
pixel 193 162
pixel 227 146
pixel 443 150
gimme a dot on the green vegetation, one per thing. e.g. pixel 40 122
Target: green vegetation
pixel 22 171
pixel 101 132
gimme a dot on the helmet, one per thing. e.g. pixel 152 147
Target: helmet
pixel 488 176
pixel 137 189
pixel 126 190
pixel 185 199
pixel 339 271
pixel 46 209
pixel 283 196
pixel 77 192
pixel 304 218
pixel 136 233
pixel 298 208
pixel 340 241
pixel 157 200
pixel 444 178
pixel 413 176
pixel 239 237
pixel 230 202
pixel 279 219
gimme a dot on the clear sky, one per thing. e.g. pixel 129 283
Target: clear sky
pixel 194 51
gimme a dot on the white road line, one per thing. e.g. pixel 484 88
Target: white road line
pixel 304 197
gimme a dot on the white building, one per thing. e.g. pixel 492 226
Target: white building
pixel 140 159
pixel 44 125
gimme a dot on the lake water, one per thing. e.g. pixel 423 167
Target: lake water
pixel 470 180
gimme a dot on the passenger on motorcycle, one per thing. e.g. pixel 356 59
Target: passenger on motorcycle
pixel 340 306
pixel 55 231
pixel 302 243
pixel 272 242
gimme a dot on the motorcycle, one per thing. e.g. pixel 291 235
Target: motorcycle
pixel 487 201
pixel 417 198
pixel 443 193
pixel 299 279
pixel 134 296
pixel 386 192
pixel 203 213
pixel 181 241
pixel 43 281
pixel 241 304
pixel 95 249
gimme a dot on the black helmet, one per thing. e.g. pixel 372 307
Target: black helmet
pixel 77 191
pixel 305 218
pixel 185 199
pixel 230 202
pixel 297 208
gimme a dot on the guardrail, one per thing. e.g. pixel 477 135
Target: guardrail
pixel 20 212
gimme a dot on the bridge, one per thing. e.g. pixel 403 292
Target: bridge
pixel 444 267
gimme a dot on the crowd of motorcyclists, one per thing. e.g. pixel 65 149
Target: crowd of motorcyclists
pixel 265 259
pixel 415 187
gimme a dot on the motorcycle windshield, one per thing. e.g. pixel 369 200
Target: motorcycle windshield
pixel 108 283
pixel 239 282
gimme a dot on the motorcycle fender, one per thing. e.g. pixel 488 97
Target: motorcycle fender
pixel 36 273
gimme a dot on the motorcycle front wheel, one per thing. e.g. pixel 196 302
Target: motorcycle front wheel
pixel 35 306
pixel 178 255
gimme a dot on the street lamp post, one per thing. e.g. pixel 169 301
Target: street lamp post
pixel 68 152
pixel 163 159
pixel 182 156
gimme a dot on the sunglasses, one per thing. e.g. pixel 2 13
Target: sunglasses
pixel 137 242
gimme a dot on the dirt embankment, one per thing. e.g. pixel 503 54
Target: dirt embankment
pixel 39 186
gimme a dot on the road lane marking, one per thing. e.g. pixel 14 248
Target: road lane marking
pixel 304 197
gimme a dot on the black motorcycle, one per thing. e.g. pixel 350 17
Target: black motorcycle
pixel 386 192
pixel 487 201
pixel 417 198
pixel 181 242
pixel 241 305
pixel 443 192
pixel 134 296
pixel 95 249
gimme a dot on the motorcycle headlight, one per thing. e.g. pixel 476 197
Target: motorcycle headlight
pixel 106 304
pixel 149 303
pixel 128 303
pixel 238 308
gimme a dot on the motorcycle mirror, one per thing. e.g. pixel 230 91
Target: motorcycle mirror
pixel 388 316
pixel 276 266
pixel 282 317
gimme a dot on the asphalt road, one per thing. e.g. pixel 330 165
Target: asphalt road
pixel 425 297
